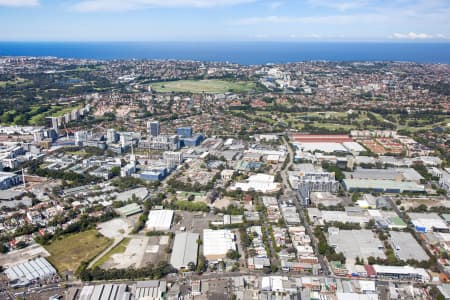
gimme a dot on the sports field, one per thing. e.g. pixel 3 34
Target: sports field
pixel 206 86
pixel 67 253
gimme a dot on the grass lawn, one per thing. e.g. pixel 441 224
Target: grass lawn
pixel 65 110
pixel 54 111
pixel 68 252
pixel 207 86
pixel 120 248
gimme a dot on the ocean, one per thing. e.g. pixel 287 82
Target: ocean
pixel 246 53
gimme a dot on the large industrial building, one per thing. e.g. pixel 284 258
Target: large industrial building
pixel 216 243
pixel 259 182
pixel 151 289
pixel 392 180
pixel 321 138
pixel 381 186
pixel 396 174
pixel 426 222
pixel 185 250
pixel 30 271
pixel 397 272
pixel 319 217
pixel 159 220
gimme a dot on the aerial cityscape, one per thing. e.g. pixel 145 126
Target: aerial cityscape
pixel 244 169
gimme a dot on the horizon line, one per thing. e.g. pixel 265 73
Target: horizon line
pixel 235 41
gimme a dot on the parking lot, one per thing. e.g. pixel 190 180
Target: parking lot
pixel 194 221
pixel 116 228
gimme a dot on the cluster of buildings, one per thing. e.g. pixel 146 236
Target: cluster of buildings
pixel 71 116
pixel 307 178
pixel 225 173
pixel 141 290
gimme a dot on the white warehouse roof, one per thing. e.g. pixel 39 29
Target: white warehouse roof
pixel 321 146
pixel 216 243
pixel 185 249
pixel 30 270
pixel 353 146
pixel 160 220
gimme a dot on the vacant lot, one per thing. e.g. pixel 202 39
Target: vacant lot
pixel 67 253
pixel 120 248
pixel 207 86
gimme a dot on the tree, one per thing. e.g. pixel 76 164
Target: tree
pixel 435 293
pixel 21 245
pixel 3 248
pixel 323 247
pixel 115 171
pixel 370 224
pixel 191 266
pixel 201 264
pixel 233 254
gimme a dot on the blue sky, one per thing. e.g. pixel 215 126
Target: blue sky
pixel 225 20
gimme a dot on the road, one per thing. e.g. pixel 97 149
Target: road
pixel 300 208
pixel 284 174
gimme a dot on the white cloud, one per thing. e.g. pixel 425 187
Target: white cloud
pixel 19 3
pixel 329 20
pixel 416 36
pixel 339 4
pixel 120 5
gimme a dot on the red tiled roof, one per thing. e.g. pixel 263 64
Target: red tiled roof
pixel 370 270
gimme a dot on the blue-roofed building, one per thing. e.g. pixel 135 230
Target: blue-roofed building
pixel 185 132
pixel 151 175
pixel 193 141
pixel 156 174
